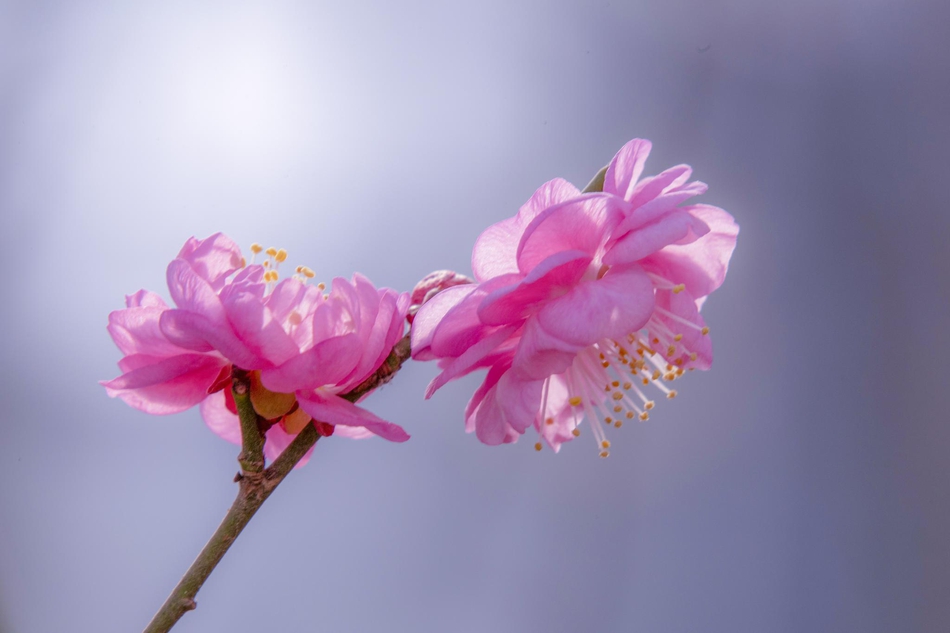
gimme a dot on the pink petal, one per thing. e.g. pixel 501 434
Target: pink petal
pixel 191 292
pixel 673 227
pixel 494 374
pixel 520 400
pixel 653 210
pixel 144 299
pixel 335 410
pixel 611 307
pixel 552 277
pixel 213 258
pixel 277 440
pixel 326 363
pixel 256 327
pixel 702 265
pixel 581 224
pixel 431 315
pixel 165 386
pixel 541 354
pixel 195 332
pixel 684 307
pixel 625 168
pixel 460 327
pixel 495 251
pixel 136 331
pixel 219 418
pixel 650 188
pixel 465 362
pixel 388 329
pixel 488 419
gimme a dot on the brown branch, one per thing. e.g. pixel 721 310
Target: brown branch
pixel 256 484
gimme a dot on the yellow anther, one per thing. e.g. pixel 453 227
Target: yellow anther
pixel 629 415
pixel 606 387
pixel 608 420
pixel 271 251
pixel 644 416
pixel 322 286
pixel 575 401
pixel 537 446
pixel 646 381
pixel 309 274
pixel 617 395
pixel 669 376
pixel 605 444
pixel 280 255
pixel 705 330
pixel 605 364
pixel 627 385
pixel 267 264
pixel 671 394
pixel 656 340
pixel 549 421
pixel 618 409
pixel 670 350
pixel 256 248
pixel 576 432
pixel 618 424
pixel 602 356
pixel 656 374
pixel 649 405
pixel 615 383
pixel 679 361
pixel 678 288
pixel 298 269
pixel 678 337
pixel 605 453
pixel 693 356
pixel 243 262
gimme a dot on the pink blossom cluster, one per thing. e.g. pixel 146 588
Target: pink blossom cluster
pixel 585 304
pixel 303 347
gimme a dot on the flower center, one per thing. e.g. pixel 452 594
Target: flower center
pixel 607 380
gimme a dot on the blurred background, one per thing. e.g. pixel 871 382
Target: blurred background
pixel 800 485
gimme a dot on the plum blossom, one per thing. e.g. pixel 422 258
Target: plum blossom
pixel 303 347
pixel 584 302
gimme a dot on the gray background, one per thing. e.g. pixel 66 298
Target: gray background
pixel 801 485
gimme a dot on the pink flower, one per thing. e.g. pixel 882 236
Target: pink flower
pixel 582 300
pixel 303 347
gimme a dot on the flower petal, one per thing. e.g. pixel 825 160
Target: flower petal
pixel 258 330
pixel 193 293
pixel 194 331
pixel 552 277
pixel 625 168
pixel 431 315
pixel 213 258
pixel 335 410
pixel 136 331
pixel 701 265
pixel 326 363
pixel 640 243
pixel 215 413
pixel 496 249
pixel 464 363
pixel 611 307
pixel 164 386
pixel 580 224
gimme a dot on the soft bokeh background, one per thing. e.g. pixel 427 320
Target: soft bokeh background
pixel 801 485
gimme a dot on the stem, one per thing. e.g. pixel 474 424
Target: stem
pixel 256 484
